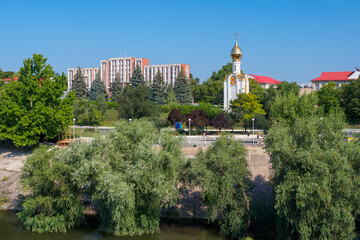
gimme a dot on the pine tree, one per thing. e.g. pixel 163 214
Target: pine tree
pixel 182 89
pixel 137 78
pixel 116 88
pixel 97 89
pixel 79 85
pixel 170 95
pixel 158 89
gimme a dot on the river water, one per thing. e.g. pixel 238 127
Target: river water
pixel 11 229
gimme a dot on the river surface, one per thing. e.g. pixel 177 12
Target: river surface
pixel 11 229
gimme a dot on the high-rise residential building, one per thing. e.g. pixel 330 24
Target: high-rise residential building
pixel 169 72
pixel 88 73
pixel 124 66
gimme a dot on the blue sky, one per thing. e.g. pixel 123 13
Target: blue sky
pixel 287 40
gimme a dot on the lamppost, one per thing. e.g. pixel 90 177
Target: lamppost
pixel 253 131
pixel 74 129
pixel 189 125
pixel 129 119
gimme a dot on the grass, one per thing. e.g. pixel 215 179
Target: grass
pixel 3 200
pixel 5 178
pixel 356 126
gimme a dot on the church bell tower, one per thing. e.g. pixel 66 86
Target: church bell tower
pixel 236 82
pixel 236 55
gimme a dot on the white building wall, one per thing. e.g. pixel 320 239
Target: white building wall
pixel 88 73
pixel 169 72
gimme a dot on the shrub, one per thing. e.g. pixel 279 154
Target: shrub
pixel 112 105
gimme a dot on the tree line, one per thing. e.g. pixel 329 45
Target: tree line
pixel 133 174
pixel 36 107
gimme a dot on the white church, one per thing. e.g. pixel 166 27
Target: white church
pixel 236 82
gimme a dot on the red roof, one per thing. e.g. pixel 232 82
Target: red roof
pixel 334 76
pixel 264 79
pixel 9 79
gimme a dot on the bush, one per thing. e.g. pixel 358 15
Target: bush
pixel 112 105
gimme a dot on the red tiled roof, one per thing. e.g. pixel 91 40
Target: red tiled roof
pixel 9 79
pixel 264 79
pixel 333 76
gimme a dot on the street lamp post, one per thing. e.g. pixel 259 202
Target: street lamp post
pixel 253 130
pixel 74 129
pixel 189 125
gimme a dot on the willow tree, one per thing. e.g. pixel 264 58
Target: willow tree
pixel 55 201
pixel 316 188
pixel 130 176
pixel 222 174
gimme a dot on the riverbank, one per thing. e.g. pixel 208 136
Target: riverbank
pixel 12 229
pixel 189 206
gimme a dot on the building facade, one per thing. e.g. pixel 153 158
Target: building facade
pixel 88 73
pixel 339 78
pixel 124 66
pixel 169 72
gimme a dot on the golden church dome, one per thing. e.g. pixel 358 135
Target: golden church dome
pixel 236 53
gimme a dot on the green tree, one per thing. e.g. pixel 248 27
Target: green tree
pixel 97 89
pixel 87 112
pixel 224 179
pixel 329 97
pixel 137 78
pixel 182 89
pixel 128 179
pixel 5 75
pixel 170 96
pixel 316 190
pixel 281 89
pixel 256 89
pixel 245 107
pixel 116 88
pixel 136 103
pixel 287 108
pixel 212 90
pixel 55 201
pixel 157 90
pixel 32 108
pixel 350 94
pixel 194 83
pixel 79 85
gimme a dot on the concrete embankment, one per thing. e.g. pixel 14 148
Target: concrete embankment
pixel 190 204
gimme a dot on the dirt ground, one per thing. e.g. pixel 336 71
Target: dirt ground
pixel 11 162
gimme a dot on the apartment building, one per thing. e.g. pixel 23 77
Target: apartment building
pixel 169 72
pixel 88 73
pixel 124 66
